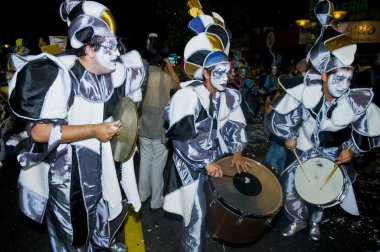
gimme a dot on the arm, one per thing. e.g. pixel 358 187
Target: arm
pixel 172 73
pixel 72 133
pixel 285 126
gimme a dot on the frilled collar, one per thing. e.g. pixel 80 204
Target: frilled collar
pixel 92 87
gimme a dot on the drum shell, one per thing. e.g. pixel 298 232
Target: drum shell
pixel 228 225
pixel 232 221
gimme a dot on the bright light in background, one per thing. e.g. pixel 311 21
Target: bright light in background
pixel 303 22
pixel 338 15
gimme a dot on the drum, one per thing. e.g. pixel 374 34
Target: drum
pixel 241 206
pixel 310 187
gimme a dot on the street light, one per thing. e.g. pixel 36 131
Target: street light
pixel 303 22
pixel 338 15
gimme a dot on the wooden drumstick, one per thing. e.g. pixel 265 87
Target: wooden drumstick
pixel 245 179
pixel 334 168
pixel 299 161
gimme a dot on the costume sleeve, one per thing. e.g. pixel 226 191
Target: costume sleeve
pixel 40 90
pixel 285 125
pixel 136 76
pixel 234 133
pixel 366 132
pixel 184 115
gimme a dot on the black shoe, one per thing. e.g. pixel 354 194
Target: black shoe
pixel 143 203
pixel 155 210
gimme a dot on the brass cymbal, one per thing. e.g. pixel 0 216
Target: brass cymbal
pixel 123 144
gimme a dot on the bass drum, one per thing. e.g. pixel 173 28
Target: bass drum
pixel 240 206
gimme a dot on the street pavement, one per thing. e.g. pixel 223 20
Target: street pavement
pixel 340 231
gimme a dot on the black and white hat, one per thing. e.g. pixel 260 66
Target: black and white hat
pixel 210 46
pixel 85 20
pixel 332 48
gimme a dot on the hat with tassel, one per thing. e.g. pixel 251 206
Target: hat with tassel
pixel 85 20
pixel 210 46
pixel 332 49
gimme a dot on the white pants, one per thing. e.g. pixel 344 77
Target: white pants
pixel 153 156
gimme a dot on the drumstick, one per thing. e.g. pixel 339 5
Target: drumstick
pixel 245 179
pixel 334 168
pixel 299 161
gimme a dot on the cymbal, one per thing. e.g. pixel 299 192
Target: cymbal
pixel 123 144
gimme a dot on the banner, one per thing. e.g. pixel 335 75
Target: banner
pixel 364 31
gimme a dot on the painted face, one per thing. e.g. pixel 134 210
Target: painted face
pixel 108 54
pixel 219 76
pixel 274 70
pixel 339 82
pixel 242 72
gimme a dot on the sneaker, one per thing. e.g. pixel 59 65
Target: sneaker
pixel 293 228
pixel 315 234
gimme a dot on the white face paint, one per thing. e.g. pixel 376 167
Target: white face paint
pixel 108 54
pixel 243 72
pixel 339 82
pixel 219 76
pixel 274 70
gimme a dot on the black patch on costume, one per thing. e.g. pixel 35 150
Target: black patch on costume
pixel 202 115
pixel 288 81
pixel 76 11
pixel 32 84
pixel 220 32
pixel 314 112
pixel 182 130
pixel 198 57
pixel 195 84
pixel 174 181
pixel 329 139
pixel 78 209
pixel 361 141
pixel 330 110
pixel 290 157
pixel 330 33
pixel 110 104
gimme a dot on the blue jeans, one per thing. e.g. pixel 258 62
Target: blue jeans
pixel 276 157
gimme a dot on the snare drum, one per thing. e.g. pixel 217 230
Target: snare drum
pixel 317 170
pixel 240 206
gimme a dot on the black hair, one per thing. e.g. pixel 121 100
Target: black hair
pixel 95 42
pixel 156 52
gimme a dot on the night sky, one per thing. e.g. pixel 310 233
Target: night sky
pixel 135 19
pixel 32 19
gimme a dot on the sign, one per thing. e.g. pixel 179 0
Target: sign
pixel 270 39
pixel 364 31
pixel 61 41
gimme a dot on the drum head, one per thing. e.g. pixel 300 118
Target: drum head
pixel 317 170
pixel 256 193
pixel 123 145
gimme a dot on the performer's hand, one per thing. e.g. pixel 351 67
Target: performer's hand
pixel 106 130
pixel 345 156
pixel 240 163
pixel 291 144
pixel 214 170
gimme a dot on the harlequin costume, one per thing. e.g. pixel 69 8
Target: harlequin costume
pixel 323 128
pixel 78 186
pixel 202 128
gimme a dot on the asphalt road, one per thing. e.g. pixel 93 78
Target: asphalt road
pixel 340 231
